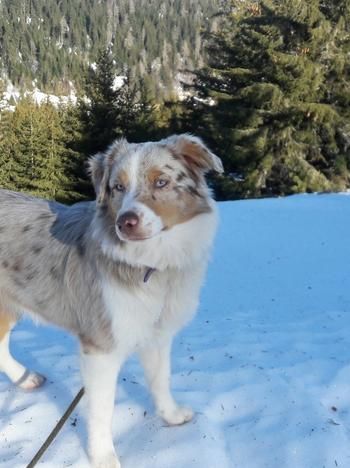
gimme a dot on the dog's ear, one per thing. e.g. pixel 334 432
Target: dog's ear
pixel 98 169
pixel 100 165
pixel 194 153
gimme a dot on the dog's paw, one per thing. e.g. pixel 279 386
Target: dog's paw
pixel 177 416
pixel 110 461
pixel 31 381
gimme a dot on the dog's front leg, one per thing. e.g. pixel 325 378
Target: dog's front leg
pixel 100 373
pixel 156 362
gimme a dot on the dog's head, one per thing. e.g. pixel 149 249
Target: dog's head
pixel 147 188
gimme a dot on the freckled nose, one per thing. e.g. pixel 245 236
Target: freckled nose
pixel 128 221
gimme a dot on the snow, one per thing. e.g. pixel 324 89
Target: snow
pixel 119 82
pixel 12 94
pixel 265 364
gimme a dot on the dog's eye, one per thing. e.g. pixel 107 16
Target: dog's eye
pixel 160 183
pixel 119 187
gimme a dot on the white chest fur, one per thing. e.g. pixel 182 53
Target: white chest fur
pixel 165 303
pixel 134 311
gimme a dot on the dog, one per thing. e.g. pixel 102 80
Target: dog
pixel 122 273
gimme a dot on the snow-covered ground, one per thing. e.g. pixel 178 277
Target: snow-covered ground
pixel 266 363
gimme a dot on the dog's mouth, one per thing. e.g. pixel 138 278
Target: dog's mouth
pixel 134 237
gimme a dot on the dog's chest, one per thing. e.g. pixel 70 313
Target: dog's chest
pixel 135 311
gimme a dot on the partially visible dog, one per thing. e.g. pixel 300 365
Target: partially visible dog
pixel 123 273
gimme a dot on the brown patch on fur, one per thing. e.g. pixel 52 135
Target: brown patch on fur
pixel 123 178
pixel 178 209
pixel 5 324
pixel 153 174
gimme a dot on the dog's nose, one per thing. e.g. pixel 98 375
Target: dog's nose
pixel 127 221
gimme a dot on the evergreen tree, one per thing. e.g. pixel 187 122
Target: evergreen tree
pixel 7 163
pixel 99 106
pixel 109 112
pixel 268 101
pixel 79 185
pixel 32 151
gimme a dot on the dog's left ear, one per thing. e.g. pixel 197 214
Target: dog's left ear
pixel 99 172
pixel 194 152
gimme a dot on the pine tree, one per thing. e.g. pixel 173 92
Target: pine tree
pixel 48 153
pixel 7 163
pixel 32 151
pixel 267 98
pixel 108 112
pixel 99 112
pixel 78 183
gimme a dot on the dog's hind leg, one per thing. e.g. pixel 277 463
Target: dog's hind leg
pixel 17 373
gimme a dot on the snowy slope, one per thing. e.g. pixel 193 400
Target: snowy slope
pixel 266 363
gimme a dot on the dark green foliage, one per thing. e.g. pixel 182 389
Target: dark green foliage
pixel 51 42
pixel 99 106
pixel 278 87
pixel 33 156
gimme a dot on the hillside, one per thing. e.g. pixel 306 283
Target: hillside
pixel 265 364
pixel 51 42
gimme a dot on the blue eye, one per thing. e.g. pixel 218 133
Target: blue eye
pixel 119 188
pixel 160 183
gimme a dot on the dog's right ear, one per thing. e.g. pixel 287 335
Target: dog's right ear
pixel 100 165
pixel 98 168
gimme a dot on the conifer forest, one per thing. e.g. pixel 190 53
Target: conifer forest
pixel 266 84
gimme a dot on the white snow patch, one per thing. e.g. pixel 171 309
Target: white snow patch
pixel 12 94
pixel 119 82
